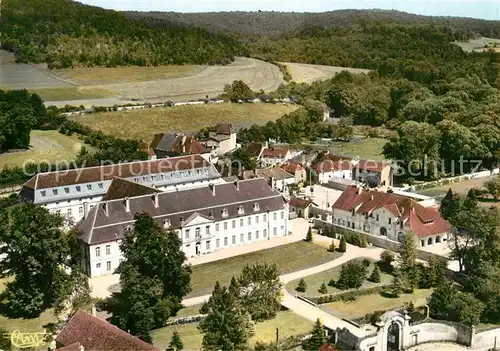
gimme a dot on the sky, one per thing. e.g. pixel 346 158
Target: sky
pixel 486 9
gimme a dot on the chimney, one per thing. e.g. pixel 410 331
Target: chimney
pixel 183 144
pixel 105 208
pixel 126 203
pixel 212 188
pixel 156 200
pixel 237 184
pixel 182 221
pixel 371 197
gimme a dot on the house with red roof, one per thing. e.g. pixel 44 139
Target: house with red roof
pixel 334 166
pixel 85 332
pixel 274 155
pixel 375 170
pixel 389 215
pixel 297 170
pixel 302 207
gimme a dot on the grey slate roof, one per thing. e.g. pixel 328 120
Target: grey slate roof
pixel 100 227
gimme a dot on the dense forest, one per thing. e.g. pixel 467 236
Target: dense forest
pixel 272 23
pixel 65 33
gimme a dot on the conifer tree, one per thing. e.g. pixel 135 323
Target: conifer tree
pixel 332 247
pixel 228 326
pixel 176 343
pixel 397 284
pixel 375 276
pixel 309 236
pixel 302 286
pixel 323 289
pixel 317 337
pixel 342 245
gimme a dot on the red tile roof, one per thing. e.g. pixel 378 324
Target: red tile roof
pixel 73 347
pixel 224 128
pixel 292 167
pixel 372 166
pixel 95 334
pixel 275 152
pixel 423 221
pixel 332 166
pixel 300 203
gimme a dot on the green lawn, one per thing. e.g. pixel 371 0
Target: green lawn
pixel 367 148
pixel 143 124
pixel 289 258
pixel 314 281
pixel 288 324
pixel 47 146
pixel 71 93
pixel 189 311
pixel 364 305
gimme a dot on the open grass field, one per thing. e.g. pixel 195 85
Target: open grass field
pixel 289 258
pixel 287 322
pixel 143 124
pixel 307 73
pixel 46 146
pixel 314 282
pixel 71 93
pixel 479 44
pixel 109 75
pixel 366 148
pixel 364 305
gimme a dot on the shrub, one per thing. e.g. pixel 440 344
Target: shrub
pixel 332 283
pixel 386 259
pixel 357 239
pixel 309 237
pixel 302 286
pixel 331 248
pixel 366 262
pixel 352 275
pixel 350 295
pixel 375 317
pixel 323 289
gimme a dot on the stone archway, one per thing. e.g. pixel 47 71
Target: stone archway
pixel 394 337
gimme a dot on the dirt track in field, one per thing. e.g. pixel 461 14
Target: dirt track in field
pixel 209 81
pixel 307 73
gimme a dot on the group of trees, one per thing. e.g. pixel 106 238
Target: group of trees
pixel 42 261
pixel 254 296
pixel 64 33
pixel 20 112
pixel 476 246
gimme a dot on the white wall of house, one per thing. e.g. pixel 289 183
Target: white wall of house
pixel 203 236
pixel 324 177
pixel 381 223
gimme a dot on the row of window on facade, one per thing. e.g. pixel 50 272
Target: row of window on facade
pixel 108 265
pixel 242 238
pixel 78 188
pixel 170 175
pixel 69 211
pixel 98 251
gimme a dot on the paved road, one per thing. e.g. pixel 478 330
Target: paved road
pixel 304 309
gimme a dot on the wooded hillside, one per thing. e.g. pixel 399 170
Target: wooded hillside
pixel 64 33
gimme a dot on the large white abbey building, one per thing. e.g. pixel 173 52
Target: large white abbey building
pixel 73 193
pixel 206 219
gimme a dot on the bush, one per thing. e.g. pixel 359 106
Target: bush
pixel 331 248
pixel 356 239
pixel 309 236
pixel 349 295
pixel 323 289
pixel 366 262
pixel 375 317
pixel 352 275
pixel 332 283
pixel 302 286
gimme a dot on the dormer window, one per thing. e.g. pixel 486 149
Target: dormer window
pixel 136 180
pixel 198 172
pixel 166 223
pixel 78 188
pixel 256 207
pixel 128 228
pixel 152 178
pixel 43 193
pixel 54 191
pixel 241 210
pixel 66 190
pixel 162 177
pixel 89 186
pixel 101 185
pixel 144 178
pixel 224 212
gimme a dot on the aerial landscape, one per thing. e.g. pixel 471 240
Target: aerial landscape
pixel 233 176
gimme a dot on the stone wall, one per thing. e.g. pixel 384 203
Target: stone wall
pixel 489 339
pixel 439 331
